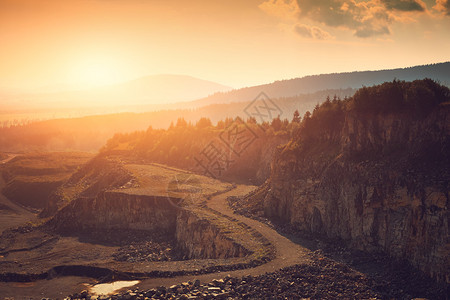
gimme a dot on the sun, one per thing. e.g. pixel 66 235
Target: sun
pixel 95 71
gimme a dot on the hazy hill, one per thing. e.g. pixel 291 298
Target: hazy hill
pixel 158 89
pixel 159 92
pixel 310 84
pixel 147 90
pixel 91 132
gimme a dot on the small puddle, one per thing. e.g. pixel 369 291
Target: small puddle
pixel 109 288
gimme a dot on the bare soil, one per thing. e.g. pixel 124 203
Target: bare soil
pixel 12 214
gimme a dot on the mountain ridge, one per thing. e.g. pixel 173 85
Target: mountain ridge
pixel 136 96
pixel 313 83
pixel 147 90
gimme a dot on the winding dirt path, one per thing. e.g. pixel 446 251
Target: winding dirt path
pixel 287 252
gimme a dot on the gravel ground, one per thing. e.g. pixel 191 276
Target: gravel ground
pixel 323 279
pixel 390 278
pixel 147 251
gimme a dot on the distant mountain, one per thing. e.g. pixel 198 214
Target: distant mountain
pixel 89 133
pixel 166 88
pixel 311 84
pixel 149 90
pixel 175 92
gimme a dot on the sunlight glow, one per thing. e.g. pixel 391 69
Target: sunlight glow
pixel 96 71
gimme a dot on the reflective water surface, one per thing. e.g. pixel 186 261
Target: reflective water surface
pixel 109 288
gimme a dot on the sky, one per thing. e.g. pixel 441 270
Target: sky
pixel 77 44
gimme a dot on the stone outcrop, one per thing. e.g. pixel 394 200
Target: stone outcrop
pixel 115 210
pixel 378 181
pixel 196 237
pixel 199 238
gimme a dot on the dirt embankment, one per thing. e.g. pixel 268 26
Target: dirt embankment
pixel 12 214
pixel 3 157
pixel 30 179
pixel 96 176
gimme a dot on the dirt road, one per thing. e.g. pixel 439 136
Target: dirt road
pixel 288 253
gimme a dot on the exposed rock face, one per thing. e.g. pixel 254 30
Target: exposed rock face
pixel 115 210
pixel 198 238
pixel 379 181
pixel 253 164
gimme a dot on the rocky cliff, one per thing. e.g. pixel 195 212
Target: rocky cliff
pixel 378 179
pixel 196 237
pixel 115 210
pixel 199 238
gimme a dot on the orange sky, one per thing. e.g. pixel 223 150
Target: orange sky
pixel 83 43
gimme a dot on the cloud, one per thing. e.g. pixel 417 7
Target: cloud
pixel 289 12
pixel 311 32
pixel 369 31
pixel 443 6
pixel 365 18
pixel 404 5
pixel 285 9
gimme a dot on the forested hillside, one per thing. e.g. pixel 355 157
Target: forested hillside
pixel 91 133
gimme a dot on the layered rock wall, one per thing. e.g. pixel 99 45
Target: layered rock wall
pixel 382 184
pixel 196 237
pixel 199 238
pixel 115 210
